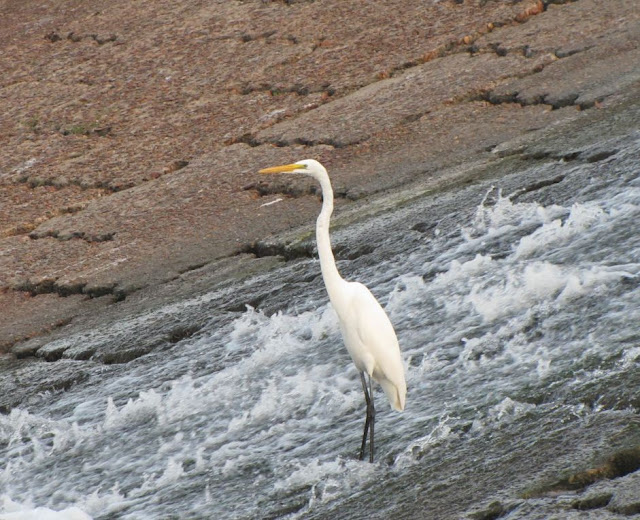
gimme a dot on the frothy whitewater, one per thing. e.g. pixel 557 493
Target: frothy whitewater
pixel 516 316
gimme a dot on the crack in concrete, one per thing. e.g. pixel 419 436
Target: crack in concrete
pixel 537 186
pixel 54 36
pixel 547 3
pixel 621 463
pixel 288 2
pixel 466 43
pixel 287 251
pixel 310 142
pixel 266 188
pixel 251 140
pixel 113 186
pixel 279 90
pixel 246 37
pixel 62 182
pixel 25 228
pixel 51 286
pixel 302 249
pixel 556 102
pixel 585 156
pixel 74 235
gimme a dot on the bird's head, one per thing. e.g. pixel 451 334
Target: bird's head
pixel 309 167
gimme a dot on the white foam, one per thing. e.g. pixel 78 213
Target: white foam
pixel 504 212
pixel 556 232
pixel 13 425
pixel 418 446
pixel 534 283
pixel 543 366
pixel 31 438
pixel 631 356
pixel 460 271
pixel 328 479
pixel 276 337
pixel 135 411
pixel 409 291
pixel 506 410
pixel 468 356
pixel 171 474
pixel 263 348
pixel 315 470
pixel 111 502
pixel 504 215
pixel 13 510
pixel 499 288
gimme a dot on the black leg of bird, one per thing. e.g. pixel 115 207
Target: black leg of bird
pixel 366 421
pixel 372 418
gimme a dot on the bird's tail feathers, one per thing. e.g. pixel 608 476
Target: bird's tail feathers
pixel 395 394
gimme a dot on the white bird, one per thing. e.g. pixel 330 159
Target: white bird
pixel 366 329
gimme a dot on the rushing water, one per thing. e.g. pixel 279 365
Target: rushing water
pixel 517 316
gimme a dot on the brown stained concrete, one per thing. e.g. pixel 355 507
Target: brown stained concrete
pixel 131 136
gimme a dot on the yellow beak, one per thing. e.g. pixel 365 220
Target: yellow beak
pixel 282 169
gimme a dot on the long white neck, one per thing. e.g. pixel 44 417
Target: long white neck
pixel 330 274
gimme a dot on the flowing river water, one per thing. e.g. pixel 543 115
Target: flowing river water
pixel 516 303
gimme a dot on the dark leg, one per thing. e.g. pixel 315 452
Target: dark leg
pixel 371 414
pixel 366 422
pixel 370 418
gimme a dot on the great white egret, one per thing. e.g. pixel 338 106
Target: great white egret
pixel 366 328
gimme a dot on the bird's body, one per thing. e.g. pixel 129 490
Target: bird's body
pixel 371 340
pixel 366 329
